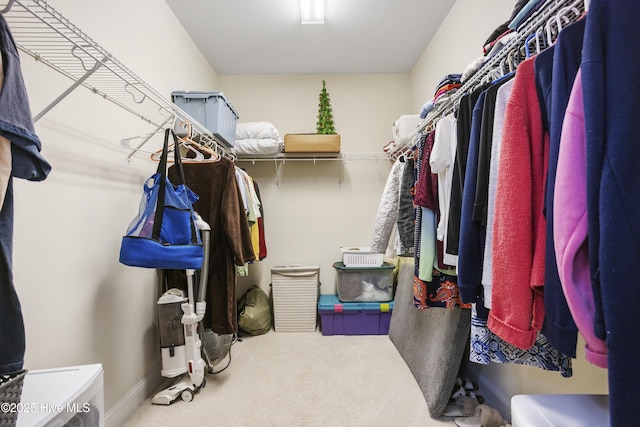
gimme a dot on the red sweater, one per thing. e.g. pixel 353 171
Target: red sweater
pixel 517 308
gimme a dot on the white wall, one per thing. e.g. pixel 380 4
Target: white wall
pixel 458 42
pixel 80 305
pixel 311 214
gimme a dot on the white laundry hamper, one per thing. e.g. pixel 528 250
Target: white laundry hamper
pixel 295 293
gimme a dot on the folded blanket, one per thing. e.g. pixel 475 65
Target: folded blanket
pixel 256 130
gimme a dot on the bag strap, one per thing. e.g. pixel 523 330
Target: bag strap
pixel 178 162
pixel 162 170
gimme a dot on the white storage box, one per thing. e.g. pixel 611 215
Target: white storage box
pixel 355 256
pixel 52 397
pixel 404 126
pixel 295 291
pixel 212 110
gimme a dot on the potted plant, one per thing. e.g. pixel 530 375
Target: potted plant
pixel 325 140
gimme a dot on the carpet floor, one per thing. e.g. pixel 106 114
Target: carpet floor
pixel 302 379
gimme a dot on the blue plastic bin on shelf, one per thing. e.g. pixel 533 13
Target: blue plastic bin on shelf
pixel 353 318
pixel 211 109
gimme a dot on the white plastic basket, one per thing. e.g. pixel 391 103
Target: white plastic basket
pixel 361 257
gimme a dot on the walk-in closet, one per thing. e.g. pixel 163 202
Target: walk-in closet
pixel 404 213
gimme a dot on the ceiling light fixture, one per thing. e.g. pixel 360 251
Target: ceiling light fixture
pixel 312 11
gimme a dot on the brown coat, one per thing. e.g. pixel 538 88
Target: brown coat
pixel 221 206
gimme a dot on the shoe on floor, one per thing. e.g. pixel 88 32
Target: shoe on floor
pixel 484 416
pixel 466 383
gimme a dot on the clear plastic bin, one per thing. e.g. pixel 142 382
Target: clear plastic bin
pixel 364 283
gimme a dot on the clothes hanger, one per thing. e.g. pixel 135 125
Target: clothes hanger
pixel 549 31
pixel 527 42
pixel 126 143
pixel 512 61
pixel 7 8
pixel 562 14
pixel 198 156
pixel 540 41
pixel 552 33
pixel 207 154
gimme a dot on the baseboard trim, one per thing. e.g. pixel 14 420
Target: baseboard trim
pixel 494 396
pixel 125 407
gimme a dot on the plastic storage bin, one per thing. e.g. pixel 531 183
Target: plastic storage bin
pixel 63 396
pixel 560 410
pixel 210 109
pixel 364 283
pixel 353 318
pixel 295 298
pixel 355 256
pixel 403 127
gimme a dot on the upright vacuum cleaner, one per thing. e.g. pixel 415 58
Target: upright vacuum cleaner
pixel 181 346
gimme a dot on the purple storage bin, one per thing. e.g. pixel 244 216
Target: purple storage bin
pixel 353 318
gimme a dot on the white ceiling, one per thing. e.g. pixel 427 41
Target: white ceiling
pixel 266 37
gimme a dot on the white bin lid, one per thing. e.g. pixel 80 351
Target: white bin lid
pixel 559 410
pixel 48 391
pixel 295 270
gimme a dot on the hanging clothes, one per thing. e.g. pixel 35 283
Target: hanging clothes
pixel 406 209
pixel 5 166
pixel 220 205
pixel 517 308
pixel 5 156
pixel 387 213
pixel 425 198
pixel 262 245
pixel 487 264
pixel 473 213
pixel 253 209
pixel 610 68
pixel 16 125
pixel 559 326
pixel 465 109
pixel 468 246
pixel 486 347
pixel 570 228
pixel 435 283
pixel 441 161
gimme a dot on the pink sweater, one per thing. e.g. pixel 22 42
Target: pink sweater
pixel 517 306
pixel 570 227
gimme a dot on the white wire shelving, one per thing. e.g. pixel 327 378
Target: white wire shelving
pixel 46 35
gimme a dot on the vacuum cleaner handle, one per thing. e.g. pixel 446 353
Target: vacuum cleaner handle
pixel 205 231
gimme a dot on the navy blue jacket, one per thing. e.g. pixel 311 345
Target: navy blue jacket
pixel 559 327
pixel 611 86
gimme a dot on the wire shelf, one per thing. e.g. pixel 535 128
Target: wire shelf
pixel 545 21
pixel 46 35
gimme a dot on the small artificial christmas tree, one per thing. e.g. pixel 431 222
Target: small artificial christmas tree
pixel 325 124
